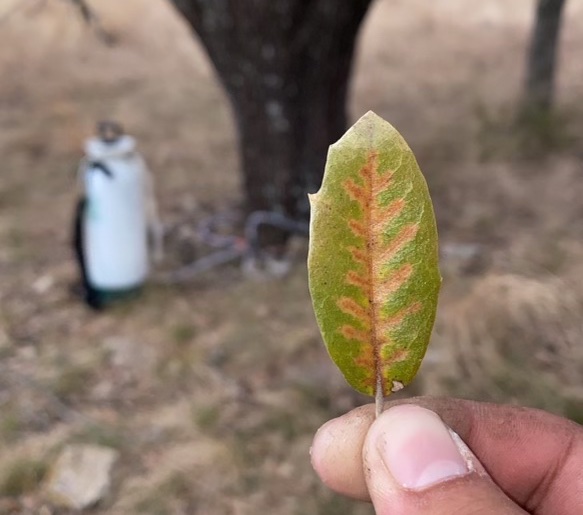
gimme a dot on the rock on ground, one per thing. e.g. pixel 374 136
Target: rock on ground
pixel 81 476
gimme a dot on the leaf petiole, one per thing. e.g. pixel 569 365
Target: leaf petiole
pixel 379 397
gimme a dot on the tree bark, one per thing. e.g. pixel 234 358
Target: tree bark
pixel 542 57
pixel 285 65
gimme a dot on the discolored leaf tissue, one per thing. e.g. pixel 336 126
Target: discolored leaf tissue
pixel 373 258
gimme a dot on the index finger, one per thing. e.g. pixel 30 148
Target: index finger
pixel 535 457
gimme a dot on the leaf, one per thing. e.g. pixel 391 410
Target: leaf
pixel 373 258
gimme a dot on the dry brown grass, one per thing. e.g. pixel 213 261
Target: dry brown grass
pixel 212 391
pixel 515 338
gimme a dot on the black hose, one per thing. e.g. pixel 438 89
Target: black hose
pixel 231 248
pixel 274 219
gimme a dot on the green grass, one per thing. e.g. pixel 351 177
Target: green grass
pixel 97 434
pixel 10 425
pixel 22 476
pixel 177 488
pixel 503 134
pixel 541 131
pixel 573 409
pixel 182 334
pixel 335 504
pixel 207 417
pixel 73 381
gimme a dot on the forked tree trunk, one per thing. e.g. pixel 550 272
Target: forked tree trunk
pixel 285 65
pixel 542 57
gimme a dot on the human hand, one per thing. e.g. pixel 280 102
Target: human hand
pixel 407 462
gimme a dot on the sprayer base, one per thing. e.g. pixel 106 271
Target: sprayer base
pixel 100 299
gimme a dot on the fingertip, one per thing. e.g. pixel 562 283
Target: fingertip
pixel 412 447
pixel 417 465
pixel 336 453
pixel 320 449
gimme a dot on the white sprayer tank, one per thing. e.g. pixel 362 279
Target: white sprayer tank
pixel 114 228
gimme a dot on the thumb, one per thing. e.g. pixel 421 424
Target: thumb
pixel 415 465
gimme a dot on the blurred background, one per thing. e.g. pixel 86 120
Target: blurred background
pixel 201 396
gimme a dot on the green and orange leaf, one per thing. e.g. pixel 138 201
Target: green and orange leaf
pixel 373 259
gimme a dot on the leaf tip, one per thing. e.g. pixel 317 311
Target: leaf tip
pixel 371 126
pixel 371 118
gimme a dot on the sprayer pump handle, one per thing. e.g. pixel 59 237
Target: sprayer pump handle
pixel 109 131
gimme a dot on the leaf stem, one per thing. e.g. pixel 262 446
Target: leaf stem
pixel 379 397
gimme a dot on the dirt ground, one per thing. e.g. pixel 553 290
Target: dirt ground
pixel 212 390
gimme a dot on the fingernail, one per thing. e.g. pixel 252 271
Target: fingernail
pixel 417 447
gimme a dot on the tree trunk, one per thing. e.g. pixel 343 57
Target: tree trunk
pixel 285 65
pixel 542 58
